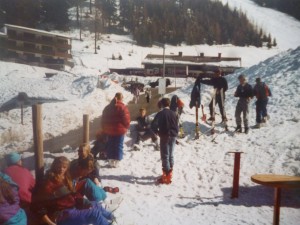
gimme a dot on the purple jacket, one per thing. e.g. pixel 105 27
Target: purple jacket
pixel 7 210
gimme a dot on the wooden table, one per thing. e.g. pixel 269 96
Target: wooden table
pixel 277 182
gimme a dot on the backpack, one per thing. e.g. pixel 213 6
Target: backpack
pixel 262 91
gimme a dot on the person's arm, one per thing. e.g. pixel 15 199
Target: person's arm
pixel 207 81
pixel 236 93
pixel 269 90
pixel 225 87
pixel 154 124
pixel 47 220
pixel 126 117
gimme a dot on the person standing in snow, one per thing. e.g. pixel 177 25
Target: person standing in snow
pixel 220 84
pixel 136 94
pixel 148 95
pixel 22 177
pixel 144 131
pixel 177 107
pixel 115 123
pixel 244 93
pixel 165 124
pixel 262 93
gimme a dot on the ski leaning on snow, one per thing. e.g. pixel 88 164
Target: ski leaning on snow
pixel 197 129
pixel 113 204
pixel 224 119
pixel 213 111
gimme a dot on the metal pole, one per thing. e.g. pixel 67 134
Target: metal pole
pixel 38 142
pixel 236 174
pixel 96 15
pixel 277 197
pixel 164 66
pixel 90 6
pixel 80 23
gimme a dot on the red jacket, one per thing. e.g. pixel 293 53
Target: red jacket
pixel 115 118
pixel 24 179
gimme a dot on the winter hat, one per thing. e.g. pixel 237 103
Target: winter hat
pixel 13 158
pixel 242 76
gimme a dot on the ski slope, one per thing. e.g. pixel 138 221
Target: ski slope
pixel 284 28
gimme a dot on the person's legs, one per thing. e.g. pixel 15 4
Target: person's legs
pixel 238 111
pixel 164 152
pixel 115 147
pixel 246 114
pixel 258 112
pixel 264 108
pixel 93 192
pixel 211 108
pixel 19 218
pixel 171 144
pixel 92 215
pixel 220 104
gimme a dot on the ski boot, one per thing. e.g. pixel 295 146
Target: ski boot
pixel 246 130
pixel 165 178
pixel 238 129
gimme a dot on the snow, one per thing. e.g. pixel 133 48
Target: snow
pixel 200 192
pixel 284 28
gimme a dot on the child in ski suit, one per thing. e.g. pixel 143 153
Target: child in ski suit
pixel 244 93
pixel 143 129
pixel 165 124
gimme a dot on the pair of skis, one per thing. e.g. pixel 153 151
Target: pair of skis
pixel 212 130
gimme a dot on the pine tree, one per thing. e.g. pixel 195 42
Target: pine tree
pixel 56 13
pixel 21 12
pixel 274 42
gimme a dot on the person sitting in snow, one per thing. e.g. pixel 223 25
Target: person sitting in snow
pixel 84 154
pixel 57 202
pixel 244 92
pixel 99 150
pixel 220 84
pixel 262 93
pixel 144 131
pixel 165 125
pixel 22 177
pixel 115 123
pixel 10 211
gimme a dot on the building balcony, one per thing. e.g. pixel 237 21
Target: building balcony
pixel 39 51
pixel 39 41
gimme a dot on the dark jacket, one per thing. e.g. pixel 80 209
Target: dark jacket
pixel 262 91
pixel 24 179
pixel 244 91
pixel 216 82
pixel 196 94
pixel 143 123
pixel 115 118
pixel 165 123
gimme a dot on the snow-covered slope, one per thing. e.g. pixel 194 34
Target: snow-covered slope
pixel 201 188
pixel 283 27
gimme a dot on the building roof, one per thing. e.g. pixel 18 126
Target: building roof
pixel 47 33
pixel 192 60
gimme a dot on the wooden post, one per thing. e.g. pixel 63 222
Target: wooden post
pixel 86 129
pixel 236 174
pixel 277 197
pixel 22 114
pixel 38 142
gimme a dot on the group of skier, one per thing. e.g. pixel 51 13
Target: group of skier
pixel 245 92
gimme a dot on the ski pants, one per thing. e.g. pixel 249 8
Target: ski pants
pixel 89 189
pixel 167 145
pixel 219 103
pixel 19 219
pixel 114 147
pixel 261 109
pixel 145 135
pixel 242 107
pixel 96 215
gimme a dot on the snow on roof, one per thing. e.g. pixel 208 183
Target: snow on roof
pixel 177 62
pixel 2 34
pixel 37 30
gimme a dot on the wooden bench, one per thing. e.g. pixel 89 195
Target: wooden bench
pixel 278 182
